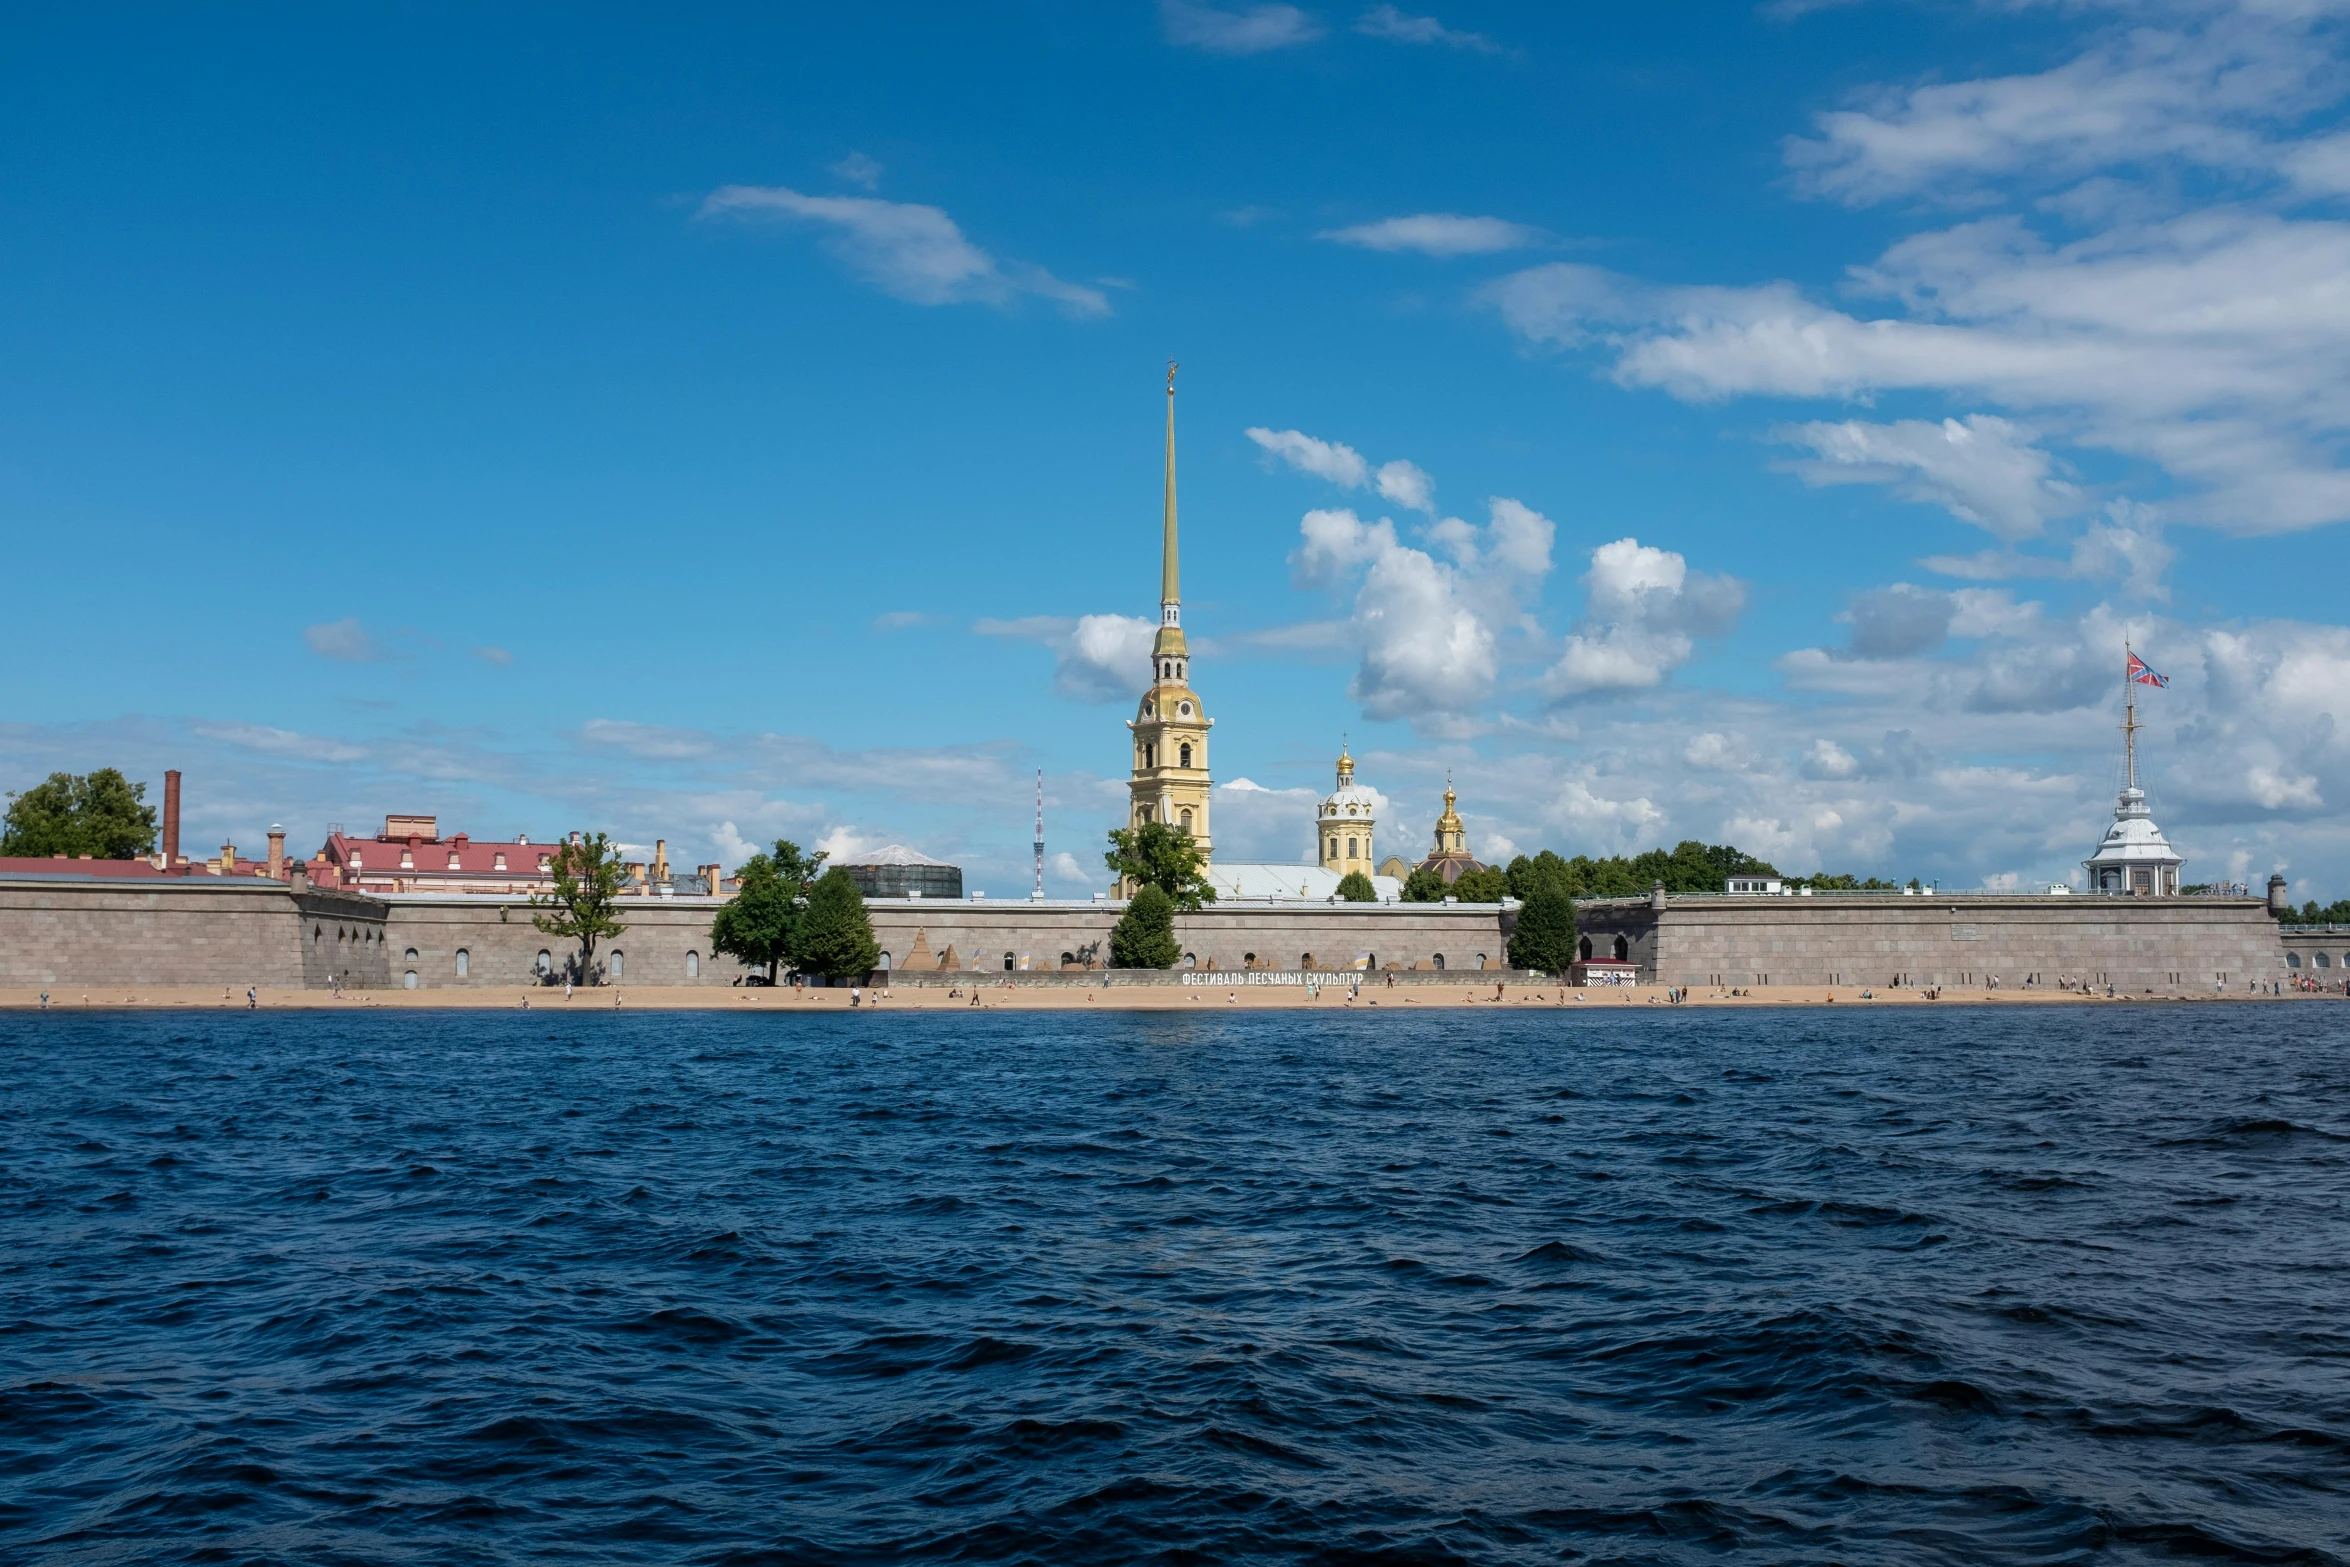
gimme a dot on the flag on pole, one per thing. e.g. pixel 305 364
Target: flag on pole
pixel 2143 674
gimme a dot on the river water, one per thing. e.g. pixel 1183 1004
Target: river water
pixel 1516 1285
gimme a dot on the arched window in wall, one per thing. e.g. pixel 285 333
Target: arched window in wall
pixel 464 963
pixel 545 966
pixel 1187 818
pixel 693 965
pixel 619 963
pixel 1185 753
pixel 1623 950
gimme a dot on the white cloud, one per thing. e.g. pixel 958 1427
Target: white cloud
pixel 907 250
pixel 1643 612
pixel 1440 234
pixel 1407 485
pixel 1097 658
pixel 1428 632
pixel 1983 469
pixel 345 641
pixel 734 850
pixel 1828 760
pixel 844 843
pixel 1899 621
pixel 1341 465
pixel 265 741
pixel 2205 95
pixel 1385 21
pixel 1249 30
pixel 651 741
pixel 858 169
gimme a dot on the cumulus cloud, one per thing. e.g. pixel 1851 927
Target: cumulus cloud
pixel 1407 485
pixel 907 250
pixel 1385 21
pixel 1440 234
pixel 1983 469
pixel 1427 631
pixel 1644 610
pixel 1250 29
pixel 344 641
pixel 1096 658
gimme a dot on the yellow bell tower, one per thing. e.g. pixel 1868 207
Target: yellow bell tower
pixel 1170 782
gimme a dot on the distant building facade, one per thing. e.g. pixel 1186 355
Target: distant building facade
pixel 900 872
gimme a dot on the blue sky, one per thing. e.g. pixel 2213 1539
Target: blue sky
pixel 1753 423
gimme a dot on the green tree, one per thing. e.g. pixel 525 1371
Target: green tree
pixel 1525 874
pixel 1544 939
pixel 756 928
pixel 834 936
pixel 1157 855
pixel 1355 887
pixel 1424 886
pixel 1144 936
pixel 587 892
pixel 102 815
pixel 1482 886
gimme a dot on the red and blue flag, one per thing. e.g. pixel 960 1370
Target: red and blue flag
pixel 2143 673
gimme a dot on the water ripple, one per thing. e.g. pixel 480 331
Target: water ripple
pixel 1948 1287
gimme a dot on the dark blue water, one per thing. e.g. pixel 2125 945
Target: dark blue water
pixel 1927 1286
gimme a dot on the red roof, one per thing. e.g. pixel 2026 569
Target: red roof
pixel 59 865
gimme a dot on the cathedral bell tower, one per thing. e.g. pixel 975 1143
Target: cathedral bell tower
pixel 1170 781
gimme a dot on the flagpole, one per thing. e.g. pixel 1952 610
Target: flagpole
pixel 2129 719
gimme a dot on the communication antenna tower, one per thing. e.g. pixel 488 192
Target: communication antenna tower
pixel 1038 894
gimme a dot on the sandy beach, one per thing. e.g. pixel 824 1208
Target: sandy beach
pixel 1131 998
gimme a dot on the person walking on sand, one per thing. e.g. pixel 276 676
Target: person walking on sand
pixel 567 990
pixel 252 1001
pixel 856 996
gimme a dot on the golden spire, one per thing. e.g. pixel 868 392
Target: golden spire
pixel 1168 592
pixel 1346 766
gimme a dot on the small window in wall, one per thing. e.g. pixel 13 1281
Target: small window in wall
pixel 2292 960
pixel 1186 754
pixel 619 963
pixel 1480 960
pixel 1332 852
pixel 464 963
pixel 1249 958
pixel 1584 947
pixel 1010 962
pixel 1623 950
pixel 885 963
pixel 1187 819
pixel 1350 848
pixel 498 862
pixel 1440 960
pixel 1190 960
pixel 693 965
pixel 408 980
pixel 545 964
pixel 2323 961
pixel 411 954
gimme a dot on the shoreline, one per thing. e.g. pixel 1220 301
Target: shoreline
pixel 1062 998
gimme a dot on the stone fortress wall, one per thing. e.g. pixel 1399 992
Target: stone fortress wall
pixel 2167 946
pixel 84 932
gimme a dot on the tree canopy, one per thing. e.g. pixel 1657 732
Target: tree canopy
pixel 1425 885
pixel 1544 939
pixel 102 815
pixel 835 936
pixel 2336 913
pixel 1144 936
pixel 1688 867
pixel 1355 887
pixel 1157 855
pixel 1485 885
pixel 757 928
pixel 582 907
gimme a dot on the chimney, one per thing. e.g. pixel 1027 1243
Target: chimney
pixel 277 852
pixel 711 876
pixel 660 859
pixel 171 818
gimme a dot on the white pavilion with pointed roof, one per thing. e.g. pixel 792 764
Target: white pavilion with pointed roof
pixel 2135 857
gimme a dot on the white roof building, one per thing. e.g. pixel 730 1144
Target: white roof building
pixel 1287 883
